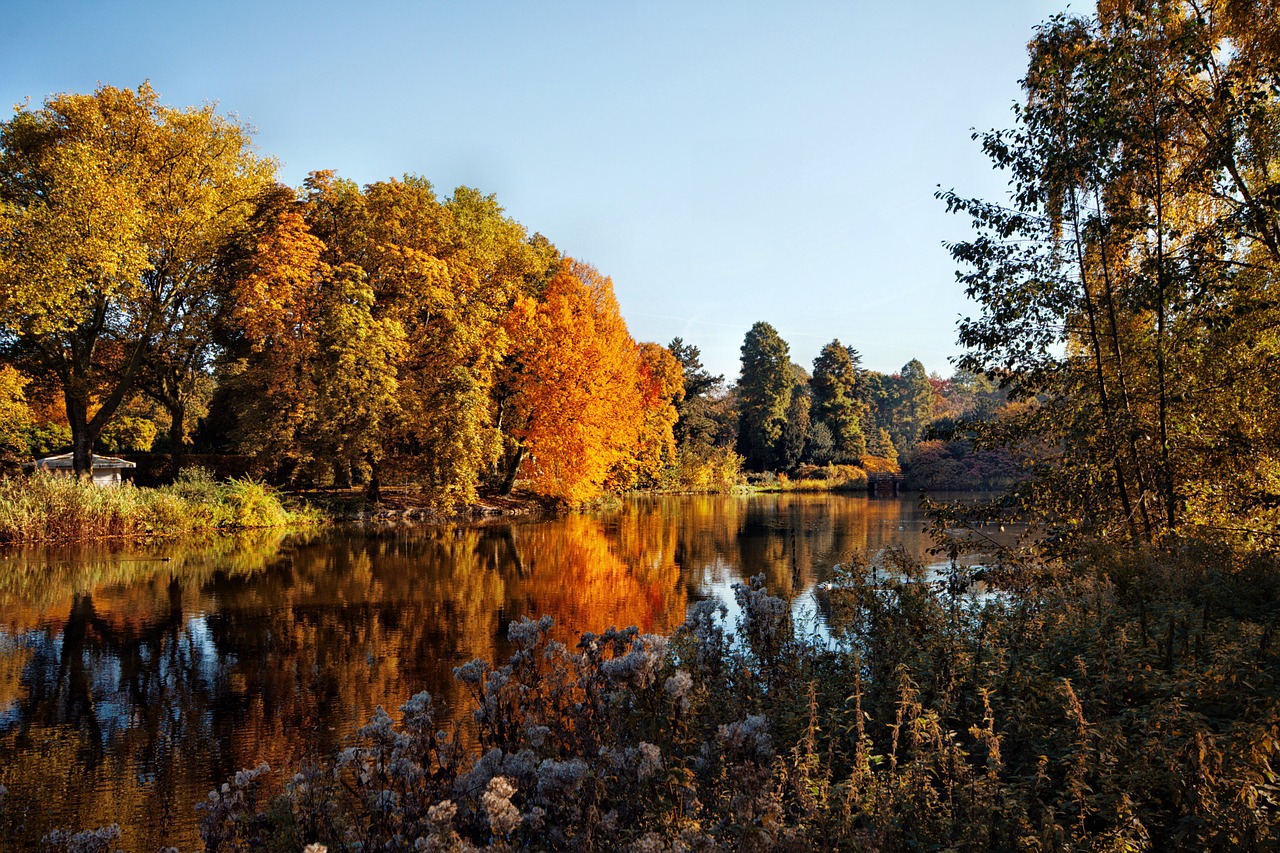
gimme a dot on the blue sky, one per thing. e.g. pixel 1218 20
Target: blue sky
pixel 723 162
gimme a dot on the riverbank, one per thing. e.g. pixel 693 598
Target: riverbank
pixel 49 508
pixel 401 505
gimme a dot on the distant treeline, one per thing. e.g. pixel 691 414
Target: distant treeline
pixel 780 418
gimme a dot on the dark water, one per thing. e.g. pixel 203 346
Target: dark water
pixel 133 679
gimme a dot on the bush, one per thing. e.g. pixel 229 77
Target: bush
pixel 707 469
pixel 128 434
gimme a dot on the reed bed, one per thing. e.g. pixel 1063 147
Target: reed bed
pixel 47 507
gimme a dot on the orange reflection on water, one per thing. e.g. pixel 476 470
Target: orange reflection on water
pixel 134 679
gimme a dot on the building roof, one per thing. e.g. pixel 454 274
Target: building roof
pixel 64 461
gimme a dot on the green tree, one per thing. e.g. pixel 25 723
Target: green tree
pixel 1126 285
pixel 795 433
pixel 696 425
pixel 764 395
pixel 838 399
pixel 820 447
pixel 112 211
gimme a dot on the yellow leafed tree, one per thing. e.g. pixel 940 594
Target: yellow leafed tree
pixel 113 212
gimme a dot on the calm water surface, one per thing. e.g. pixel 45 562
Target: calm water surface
pixel 133 679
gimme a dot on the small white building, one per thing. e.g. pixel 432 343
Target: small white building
pixel 106 469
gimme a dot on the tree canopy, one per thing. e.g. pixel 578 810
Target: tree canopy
pixel 113 210
pixel 1128 288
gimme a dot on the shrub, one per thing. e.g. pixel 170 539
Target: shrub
pixel 128 434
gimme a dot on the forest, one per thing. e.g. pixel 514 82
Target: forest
pixel 161 290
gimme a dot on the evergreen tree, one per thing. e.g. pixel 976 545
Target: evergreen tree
pixel 764 395
pixel 795 432
pixel 837 399
pixel 696 425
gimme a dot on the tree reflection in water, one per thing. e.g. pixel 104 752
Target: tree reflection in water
pixel 134 679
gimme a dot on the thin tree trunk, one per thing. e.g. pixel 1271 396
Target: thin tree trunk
pixel 374 490
pixel 513 469
pixel 1135 459
pixel 1167 483
pixel 1104 397
pixel 177 433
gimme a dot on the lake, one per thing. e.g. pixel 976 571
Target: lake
pixel 135 678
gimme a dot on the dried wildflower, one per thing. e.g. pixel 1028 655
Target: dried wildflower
pixel 537 735
pixel 706 619
pixel 442 813
pixel 750 736
pixel 613 759
pixel 650 842
pixel 482 772
pixel 650 761
pixel 535 818
pixel 526 633
pixel 380 727
pixel 90 841
pixel 442 837
pixel 419 704
pixel 677 687
pixel 504 818
pixel 638 667
pixel 315 848
pixel 560 777
pixel 244 777
pixel 472 672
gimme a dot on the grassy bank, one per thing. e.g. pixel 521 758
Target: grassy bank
pixel 1124 702
pixel 45 507
pixel 812 478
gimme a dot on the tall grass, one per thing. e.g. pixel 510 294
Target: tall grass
pixel 47 507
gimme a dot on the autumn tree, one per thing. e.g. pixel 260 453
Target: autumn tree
pixel 764 395
pixel 267 332
pixel 575 408
pixel 1127 286
pixel 448 272
pixel 113 208
pixel 660 384
pixel 15 416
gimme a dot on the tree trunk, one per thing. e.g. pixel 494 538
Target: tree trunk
pixel 1104 398
pixel 513 469
pixel 374 491
pixel 82 438
pixel 177 434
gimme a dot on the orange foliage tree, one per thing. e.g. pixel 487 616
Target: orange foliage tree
pixel 578 386
pixel 660 384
